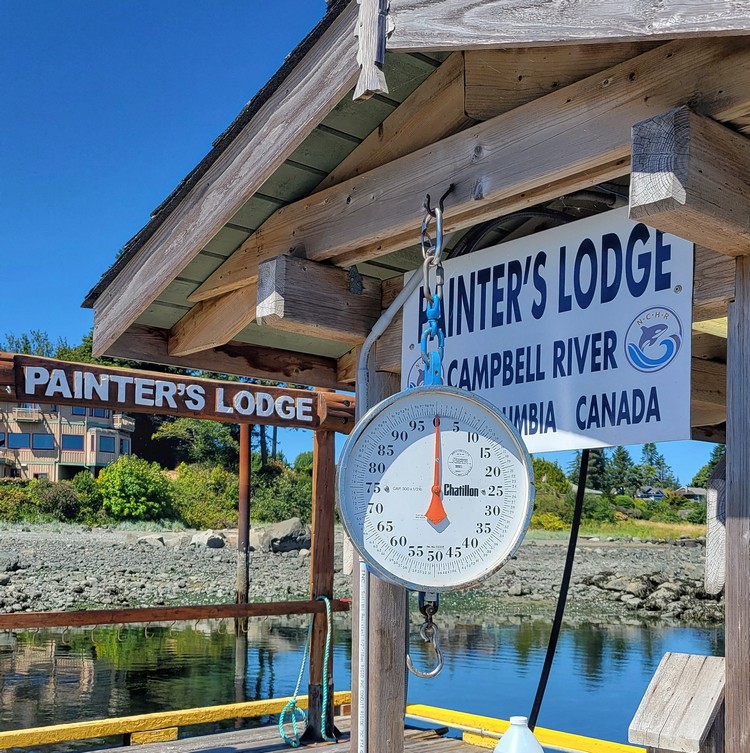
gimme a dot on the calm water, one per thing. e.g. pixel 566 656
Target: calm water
pixel 598 679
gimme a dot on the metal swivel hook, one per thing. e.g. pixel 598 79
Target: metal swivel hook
pixel 429 634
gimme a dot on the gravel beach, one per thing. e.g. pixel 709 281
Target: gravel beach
pixel 78 568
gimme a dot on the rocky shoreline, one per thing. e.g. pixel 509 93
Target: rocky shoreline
pixel 75 568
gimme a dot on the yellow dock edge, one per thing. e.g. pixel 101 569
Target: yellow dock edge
pixel 484 731
pixel 60 733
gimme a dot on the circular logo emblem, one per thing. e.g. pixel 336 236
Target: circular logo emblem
pixel 415 378
pixel 460 463
pixel 653 339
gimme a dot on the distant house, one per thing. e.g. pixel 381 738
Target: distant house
pixel 651 493
pixel 693 493
pixel 56 442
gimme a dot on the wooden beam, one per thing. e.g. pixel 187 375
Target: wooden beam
pixel 149 344
pixel 388 348
pixel 347 367
pixel 434 110
pixel 327 72
pixel 212 323
pixel 460 25
pixel 737 590
pixel 371 49
pixel 689 178
pixel 317 300
pixel 501 165
pixel 713 278
pixel 708 394
pixel 500 80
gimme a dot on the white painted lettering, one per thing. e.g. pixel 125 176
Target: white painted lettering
pixel 165 392
pixel 285 406
pixel 34 376
pixel 263 404
pixel 220 406
pixel 244 403
pixel 91 386
pixel 77 385
pixel 195 397
pixel 122 382
pixel 144 391
pixel 304 409
pixel 58 384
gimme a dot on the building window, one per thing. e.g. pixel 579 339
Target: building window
pixel 99 413
pixel 19 441
pixel 124 447
pixel 53 409
pixel 106 444
pixel 30 406
pixel 2 439
pixel 40 475
pixel 78 411
pixel 72 442
pixel 42 442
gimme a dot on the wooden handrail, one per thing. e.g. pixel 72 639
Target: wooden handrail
pixel 26 620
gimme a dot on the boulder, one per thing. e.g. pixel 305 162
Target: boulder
pixel 289 535
pixel 154 540
pixel 260 540
pixel 208 539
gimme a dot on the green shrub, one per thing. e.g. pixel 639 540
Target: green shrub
pixel 548 521
pixel 283 496
pixel 14 503
pixel 550 503
pixel 697 513
pixel 661 512
pixel 134 489
pixel 56 499
pixel 623 500
pixel 90 497
pixel 549 477
pixel 596 508
pixel 205 497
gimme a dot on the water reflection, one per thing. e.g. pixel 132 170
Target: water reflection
pixel 491 668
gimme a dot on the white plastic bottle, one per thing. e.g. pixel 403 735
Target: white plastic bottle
pixel 519 738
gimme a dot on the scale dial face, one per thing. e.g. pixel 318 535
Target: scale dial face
pixel 435 489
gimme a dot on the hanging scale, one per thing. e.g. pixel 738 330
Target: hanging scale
pixel 435 487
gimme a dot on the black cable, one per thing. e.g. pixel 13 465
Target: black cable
pixel 564 586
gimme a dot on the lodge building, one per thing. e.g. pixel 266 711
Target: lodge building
pixel 57 442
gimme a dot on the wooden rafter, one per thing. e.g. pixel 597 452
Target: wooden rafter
pixel 690 177
pixel 150 344
pixel 501 165
pixel 323 77
pixel 473 24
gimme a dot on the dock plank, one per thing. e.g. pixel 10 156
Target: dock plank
pixel 267 740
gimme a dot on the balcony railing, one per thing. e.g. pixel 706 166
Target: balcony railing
pixel 124 423
pixel 27 414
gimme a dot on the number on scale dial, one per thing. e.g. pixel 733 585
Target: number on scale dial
pixel 435 489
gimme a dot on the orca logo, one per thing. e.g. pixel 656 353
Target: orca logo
pixel 415 378
pixel 653 339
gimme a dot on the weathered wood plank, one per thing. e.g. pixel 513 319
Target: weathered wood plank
pixel 716 514
pixel 499 80
pixel 689 178
pixel 472 24
pixel 149 344
pixel 713 277
pixel 707 392
pixel 311 90
pixel 737 589
pixel 347 367
pixel 681 703
pixel 371 49
pixel 434 110
pixel 388 348
pixel 214 322
pixel 316 300
pixel 502 165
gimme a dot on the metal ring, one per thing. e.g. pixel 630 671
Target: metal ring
pixel 146 634
pixel 425 629
pixel 64 637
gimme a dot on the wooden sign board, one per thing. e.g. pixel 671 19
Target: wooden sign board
pixel 45 380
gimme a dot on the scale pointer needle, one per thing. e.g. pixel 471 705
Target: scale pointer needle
pixel 436 512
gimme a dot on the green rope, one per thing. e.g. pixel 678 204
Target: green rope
pixel 297 714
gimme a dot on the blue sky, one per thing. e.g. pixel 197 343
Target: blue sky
pixel 105 106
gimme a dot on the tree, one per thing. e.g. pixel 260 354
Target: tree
pixel 134 489
pixel 655 470
pixel 548 476
pixel 202 441
pixel 597 470
pixel 701 477
pixel 34 343
pixel 574 467
pixel 621 475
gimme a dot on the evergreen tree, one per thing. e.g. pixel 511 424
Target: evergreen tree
pixel 655 469
pixel 574 468
pixel 597 470
pixel 701 477
pixel 621 476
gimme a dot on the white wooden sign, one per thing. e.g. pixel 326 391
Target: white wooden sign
pixel 580 334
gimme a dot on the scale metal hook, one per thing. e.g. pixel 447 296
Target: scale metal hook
pixel 429 633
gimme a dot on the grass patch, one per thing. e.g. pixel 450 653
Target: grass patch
pixel 643 529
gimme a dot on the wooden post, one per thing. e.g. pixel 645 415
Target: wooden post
pixel 737 591
pixel 321 581
pixel 387 666
pixel 243 526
